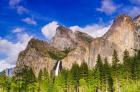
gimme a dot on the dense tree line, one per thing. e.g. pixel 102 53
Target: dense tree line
pixel 104 77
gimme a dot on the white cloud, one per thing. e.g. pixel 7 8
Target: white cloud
pixel 29 21
pixel 21 10
pixel 4 65
pixel 94 30
pixel 107 6
pixel 11 50
pixel 137 2
pixel 14 3
pixel 133 12
pixel 49 30
pixel 18 30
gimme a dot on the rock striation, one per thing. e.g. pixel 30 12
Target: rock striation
pixel 77 47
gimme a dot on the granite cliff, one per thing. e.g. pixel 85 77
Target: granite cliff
pixel 77 47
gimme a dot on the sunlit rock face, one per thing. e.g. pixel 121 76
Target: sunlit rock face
pixel 77 41
pixel 64 38
pixel 36 56
pixel 77 47
pixel 103 47
pixel 122 33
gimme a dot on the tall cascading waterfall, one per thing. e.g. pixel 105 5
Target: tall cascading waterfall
pixel 57 68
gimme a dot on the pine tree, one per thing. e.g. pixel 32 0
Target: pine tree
pixel 115 65
pixel 84 71
pixel 69 82
pixel 3 79
pixel 100 71
pixel 126 62
pixel 24 78
pixel 115 59
pixel 75 76
pixel 63 77
pixel 108 77
pixel 138 64
pixel 40 75
pixel 134 67
pixel 115 62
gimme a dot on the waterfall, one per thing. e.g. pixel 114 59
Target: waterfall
pixel 57 68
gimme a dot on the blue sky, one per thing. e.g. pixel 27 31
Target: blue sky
pixel 20 20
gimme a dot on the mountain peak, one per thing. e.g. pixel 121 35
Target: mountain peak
pixel 122 23
pixel 62 31
pixel 61 27
pixel 136 21
pixel 137 17
pixel 121 20
pixel 64 38
pixel 80 46
pixel 122 17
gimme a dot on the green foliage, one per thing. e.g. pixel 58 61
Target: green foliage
pixel 104 77
pixel 115 59
pixel 24 78
pixel 127 64
pixel 84 71
pixel 85 37
pixel 56 55
pixel 99 68
pixel 75 71
pixel 59 55
pixel 108 76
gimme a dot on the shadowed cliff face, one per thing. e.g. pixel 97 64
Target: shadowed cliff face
pixel 136 21
pixel 77 47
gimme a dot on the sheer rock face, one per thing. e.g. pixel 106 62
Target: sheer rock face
pixel 123 34
pixel 136 22
pixel 36 56
pixel 79 54
pixel 77 41
pixel 103 47
pixel 64 38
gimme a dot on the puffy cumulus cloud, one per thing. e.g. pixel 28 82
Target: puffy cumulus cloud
pixel 11 50
pixel 29 21
pixel 49 30
pixel 108 7
pixel 94 30
pixel 18 30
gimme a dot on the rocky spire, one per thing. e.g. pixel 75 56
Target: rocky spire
pixel 122 23
pixel 64 38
